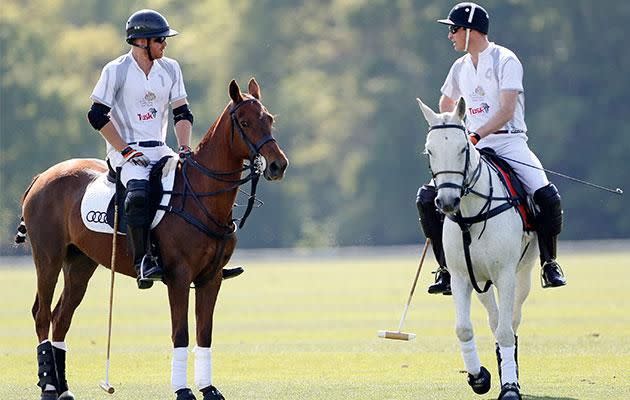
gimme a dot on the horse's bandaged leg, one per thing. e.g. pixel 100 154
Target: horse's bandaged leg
pixel 203 367
pixel 60 345
pixel 471 358
pixel 59 351
pixel 508 365
pixel 178 368
pixel 47 371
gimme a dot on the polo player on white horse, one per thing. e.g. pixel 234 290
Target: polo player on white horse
pixel 490 79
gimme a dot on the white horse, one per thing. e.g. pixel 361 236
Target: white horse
pixel 498 250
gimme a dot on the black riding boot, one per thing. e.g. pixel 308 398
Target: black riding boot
pixel 147 266
pixel 549 225
pixel 138 224
pixel 432 221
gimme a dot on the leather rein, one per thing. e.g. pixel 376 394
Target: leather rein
pixel 467 187
pixel 256 167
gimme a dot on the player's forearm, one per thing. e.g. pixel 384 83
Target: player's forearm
pixel 183 132
pixel 112 136
pixel 447 104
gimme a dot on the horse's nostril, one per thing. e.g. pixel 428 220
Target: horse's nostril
pixel 438 202
pixel 456 202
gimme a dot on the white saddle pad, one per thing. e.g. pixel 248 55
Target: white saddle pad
pixel 100 192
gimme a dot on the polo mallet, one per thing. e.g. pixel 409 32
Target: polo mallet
pixel 399 335
pixel 105 384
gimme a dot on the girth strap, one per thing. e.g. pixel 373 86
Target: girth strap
pixel 467 240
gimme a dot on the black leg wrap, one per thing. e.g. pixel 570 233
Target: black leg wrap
pixel 185 394
pixel 432 222
pixel 482 383
pixel 510 391
pixel 46 371
pixel 138 233
pixel 60 364
pixel 548 221
pixel 211 393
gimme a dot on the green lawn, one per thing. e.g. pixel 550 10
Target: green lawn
pixel 307 330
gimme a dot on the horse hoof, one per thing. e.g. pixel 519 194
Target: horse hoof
pixel 510 391
pixel 211 393
pixel 67 395
pixel 481 383
pixel 185 394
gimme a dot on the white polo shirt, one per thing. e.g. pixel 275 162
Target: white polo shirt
pixel 139 103
pixel 498 69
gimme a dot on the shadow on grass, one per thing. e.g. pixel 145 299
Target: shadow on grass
pixel 532 397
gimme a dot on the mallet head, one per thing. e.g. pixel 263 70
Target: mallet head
pixel 107 387
pixel 396 335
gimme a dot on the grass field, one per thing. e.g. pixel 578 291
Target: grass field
pixel 307 330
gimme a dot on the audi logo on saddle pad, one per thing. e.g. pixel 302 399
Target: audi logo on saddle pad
pixel 98 217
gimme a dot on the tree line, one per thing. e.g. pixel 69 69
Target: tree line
pixel 341 77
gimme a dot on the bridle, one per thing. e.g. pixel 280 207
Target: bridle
pixel 254 148
pixel 467 182
pixel 256 166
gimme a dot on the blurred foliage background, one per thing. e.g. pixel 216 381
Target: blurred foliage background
pixel 341 76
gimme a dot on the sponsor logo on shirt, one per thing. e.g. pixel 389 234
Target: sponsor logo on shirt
pixel 483 108
pixel 147 116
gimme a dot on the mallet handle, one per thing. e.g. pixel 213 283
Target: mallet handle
pixel 415 281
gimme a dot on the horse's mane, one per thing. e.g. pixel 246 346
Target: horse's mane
pixel 211 131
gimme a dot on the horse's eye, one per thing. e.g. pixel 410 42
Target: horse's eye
pixel 244 124
pixel 463 151
pixel 427 152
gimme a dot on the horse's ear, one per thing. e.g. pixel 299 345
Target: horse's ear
pixel 254 88
pixel 235 92
pixel 428 113
pixel 461 109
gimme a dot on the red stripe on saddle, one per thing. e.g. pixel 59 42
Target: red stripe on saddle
pixel 526 216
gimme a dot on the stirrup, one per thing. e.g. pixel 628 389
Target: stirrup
pixel 558 280
pixel 148 272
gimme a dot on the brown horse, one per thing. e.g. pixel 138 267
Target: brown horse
pixel 196 240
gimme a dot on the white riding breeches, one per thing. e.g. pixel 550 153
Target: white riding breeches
pixel 131 171
pixel 515 147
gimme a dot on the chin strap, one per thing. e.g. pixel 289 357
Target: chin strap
pixel 467 39
pixel 148 49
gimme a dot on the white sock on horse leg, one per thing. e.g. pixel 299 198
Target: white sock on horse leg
pixel 60 345
pixel 471 358
pixel 508 365
pixel 178 368
pixel 203 367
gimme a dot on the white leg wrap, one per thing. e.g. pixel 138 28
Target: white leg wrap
pixel 471 358
pixel 178 368
pixel 508 365
pixel 203 367
pixel 60 345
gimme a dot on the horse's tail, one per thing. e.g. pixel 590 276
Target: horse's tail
pixel 20 236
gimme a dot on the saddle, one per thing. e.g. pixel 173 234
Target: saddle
pixel 515 188
pixel 97 204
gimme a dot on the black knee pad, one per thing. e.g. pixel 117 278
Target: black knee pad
pixel 430 218
pixel 46 370
pixel 549 218
pixel 137 202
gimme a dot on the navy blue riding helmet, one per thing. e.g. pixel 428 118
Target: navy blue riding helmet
pixel 468 15
pixel 148 24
